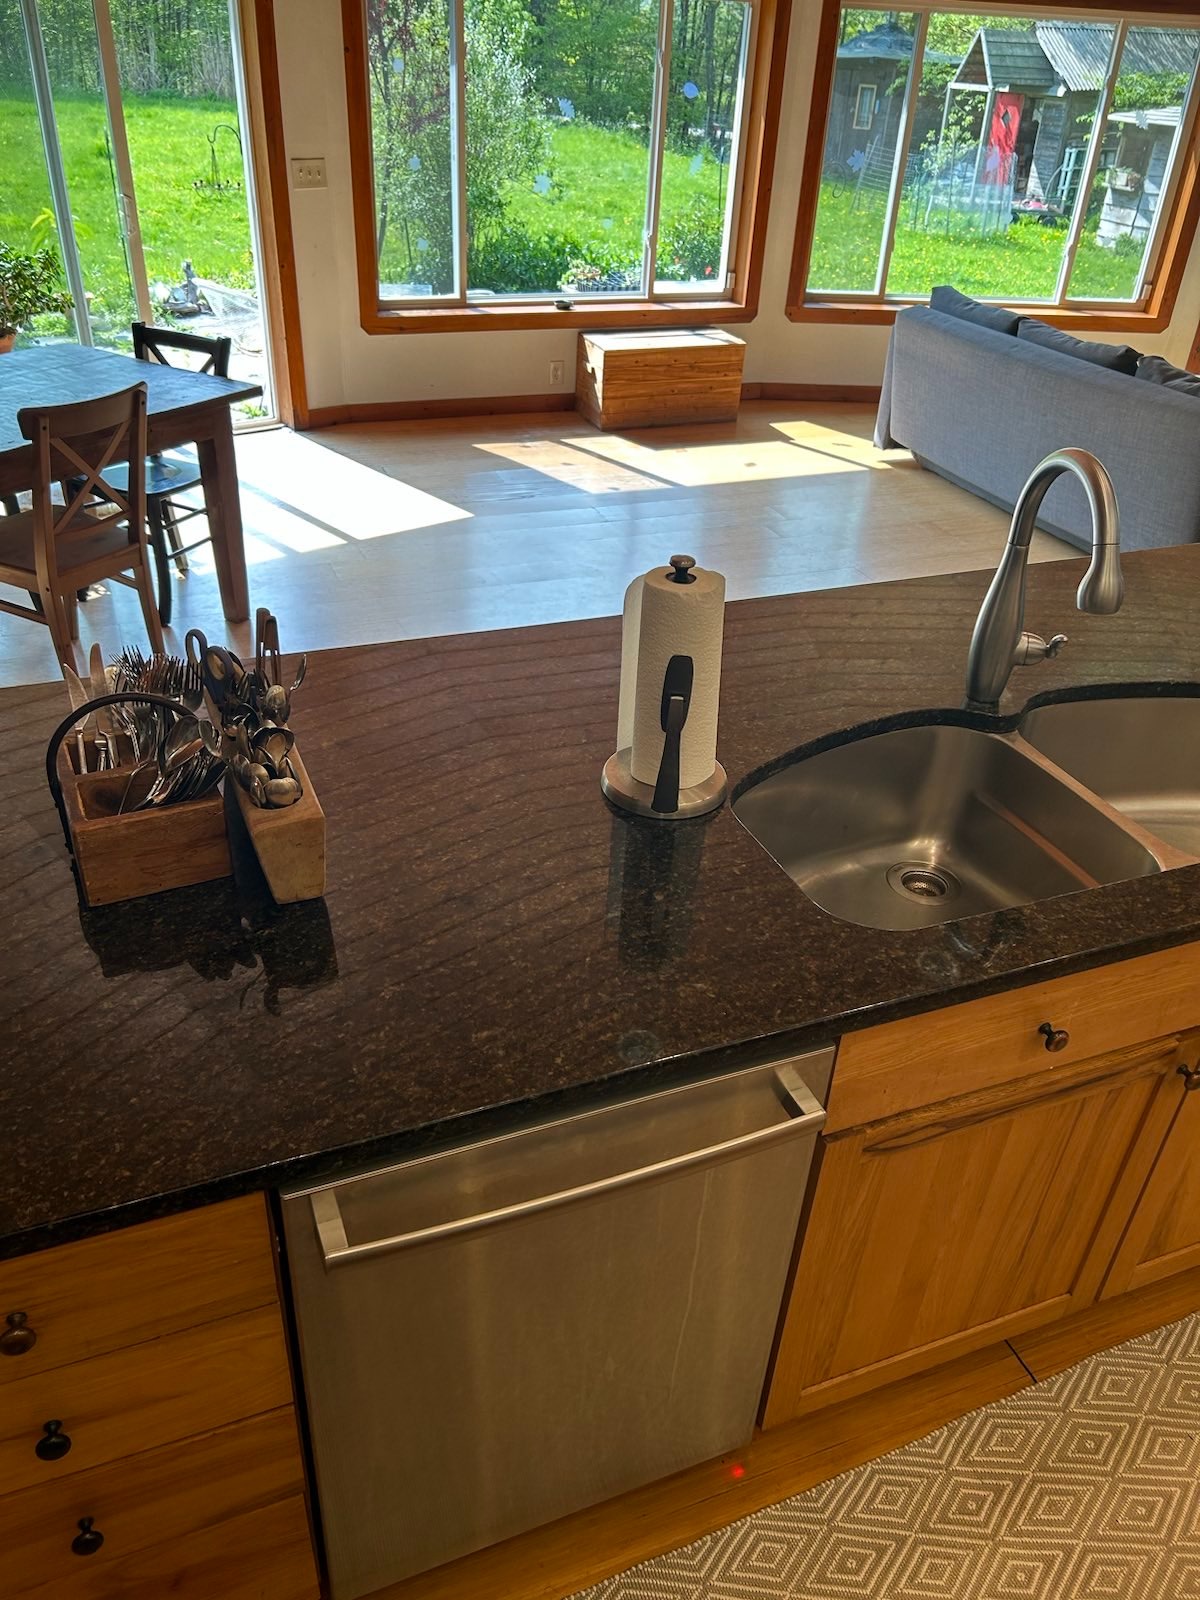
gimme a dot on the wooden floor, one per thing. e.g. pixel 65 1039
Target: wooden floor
pixel 366 533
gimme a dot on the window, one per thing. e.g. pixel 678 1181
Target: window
pixel 535 156
pixel 864 106
pixel 1030 158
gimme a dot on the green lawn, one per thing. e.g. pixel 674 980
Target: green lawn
pixel 1019 264
pixel 598 193
pixel 169 150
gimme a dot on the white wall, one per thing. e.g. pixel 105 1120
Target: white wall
pixel 344 364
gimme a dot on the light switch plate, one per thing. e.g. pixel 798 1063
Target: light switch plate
pixel 308 172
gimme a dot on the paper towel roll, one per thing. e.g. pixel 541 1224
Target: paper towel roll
pixel 662 619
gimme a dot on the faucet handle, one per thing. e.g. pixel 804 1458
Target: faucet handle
pixel 1032 647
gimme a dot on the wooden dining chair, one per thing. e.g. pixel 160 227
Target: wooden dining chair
pixel 53 551
pixel 173 471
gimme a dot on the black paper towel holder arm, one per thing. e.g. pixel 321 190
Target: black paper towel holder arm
pixel 665 800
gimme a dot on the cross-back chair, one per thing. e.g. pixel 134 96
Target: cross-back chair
pixel 53 551
pixel 173 471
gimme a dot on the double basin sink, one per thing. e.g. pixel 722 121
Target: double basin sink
pixel 929 823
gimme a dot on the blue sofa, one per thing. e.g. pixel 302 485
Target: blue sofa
pixel 982 407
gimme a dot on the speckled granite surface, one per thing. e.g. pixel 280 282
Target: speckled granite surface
pixel 493 934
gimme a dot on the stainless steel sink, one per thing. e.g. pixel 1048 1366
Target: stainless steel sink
pixel 1140 754
pixel 928 824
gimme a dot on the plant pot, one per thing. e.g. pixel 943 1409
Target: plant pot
pixel 8 338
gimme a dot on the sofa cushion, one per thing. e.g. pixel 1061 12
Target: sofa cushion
pixel 952 304
pixel 1155 370
pixel 1116 357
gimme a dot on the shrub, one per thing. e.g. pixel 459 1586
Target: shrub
pixel 689 247
pixel 511 262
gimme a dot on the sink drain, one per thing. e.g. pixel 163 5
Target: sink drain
pixel 919 880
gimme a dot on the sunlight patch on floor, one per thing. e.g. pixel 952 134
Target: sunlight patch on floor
pixel 561 460
pixel 734 461
pixel 334 493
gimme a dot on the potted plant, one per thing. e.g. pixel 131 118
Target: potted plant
pixel 29 286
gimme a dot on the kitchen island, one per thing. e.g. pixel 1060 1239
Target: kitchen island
pixel 493 934
pixel 496 945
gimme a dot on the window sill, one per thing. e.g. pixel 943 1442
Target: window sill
pixel 514 318
pixel 883 314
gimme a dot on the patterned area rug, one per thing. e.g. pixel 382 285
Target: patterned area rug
pixel 1086 1487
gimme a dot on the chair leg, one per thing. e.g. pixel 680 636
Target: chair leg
pixel 145 589
pixel 60 629
pixel 71 607
pixel 162 558
pixel 171 523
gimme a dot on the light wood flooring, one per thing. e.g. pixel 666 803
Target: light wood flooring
pixel 366 533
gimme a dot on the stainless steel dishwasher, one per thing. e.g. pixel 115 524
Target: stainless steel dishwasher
pixel 503 1332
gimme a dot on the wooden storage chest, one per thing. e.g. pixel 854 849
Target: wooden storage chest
pixel 656 376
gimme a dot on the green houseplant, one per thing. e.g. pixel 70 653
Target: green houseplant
pixel 29 286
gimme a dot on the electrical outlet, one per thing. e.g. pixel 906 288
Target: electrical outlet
pixel 308 172
pixel 558 374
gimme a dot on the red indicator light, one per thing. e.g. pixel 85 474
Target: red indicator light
pixel 737 1470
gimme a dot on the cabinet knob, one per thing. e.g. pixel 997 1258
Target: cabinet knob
pixel 1056 1038
pixel 88 1540
pixel 54 1443
pixel 1190 1076
pixel 18 1337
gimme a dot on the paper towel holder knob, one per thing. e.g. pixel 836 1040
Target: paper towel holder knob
pixel 682 569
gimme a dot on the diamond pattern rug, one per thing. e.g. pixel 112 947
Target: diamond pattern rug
pixel 1085 1487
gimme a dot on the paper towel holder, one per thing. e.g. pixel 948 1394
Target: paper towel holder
pixel 619 786
pixel 665 800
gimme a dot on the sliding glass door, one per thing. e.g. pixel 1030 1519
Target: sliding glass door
pixel 127 121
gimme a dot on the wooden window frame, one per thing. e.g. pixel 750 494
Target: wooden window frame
pixel 764 90
pixel 1178 232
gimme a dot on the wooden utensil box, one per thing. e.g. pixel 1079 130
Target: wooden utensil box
pixel 142 852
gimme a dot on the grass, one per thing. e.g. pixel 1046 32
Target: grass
pixel 1020 263
pixel 598 191
pixel 169 149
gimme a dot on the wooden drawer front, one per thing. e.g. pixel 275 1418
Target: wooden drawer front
pixel 961 1049
pixel 166 1496
pixel 264 1554
pixel 133 1400
pixel 117 1289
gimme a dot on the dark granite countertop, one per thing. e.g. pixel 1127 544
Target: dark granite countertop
pixel 493 935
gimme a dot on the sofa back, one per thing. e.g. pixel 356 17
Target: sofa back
pixel 983 408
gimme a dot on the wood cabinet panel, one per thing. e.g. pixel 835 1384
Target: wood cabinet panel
pixel 136 1399
pixel 982 1043
pixel 941 1231
pixel 117 1289
pixel 263 1554
pixel 163 1496
pixel 1163 1236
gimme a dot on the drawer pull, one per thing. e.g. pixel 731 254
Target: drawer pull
pixel 54 1444
pixel 1056 1038
pixel 88 1540
pixel 18 1337
pixel 1190 1076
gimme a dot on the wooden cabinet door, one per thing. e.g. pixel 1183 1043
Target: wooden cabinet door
pixel 1163 1236
pixel 946 1229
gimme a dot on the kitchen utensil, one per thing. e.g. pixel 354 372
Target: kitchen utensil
pixel 79 696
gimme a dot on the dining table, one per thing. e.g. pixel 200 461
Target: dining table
pixel 182 407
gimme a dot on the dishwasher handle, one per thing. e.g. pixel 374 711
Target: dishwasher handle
pixel 338 1251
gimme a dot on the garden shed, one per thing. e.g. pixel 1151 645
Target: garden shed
pixel 1041 86
pixel 868 98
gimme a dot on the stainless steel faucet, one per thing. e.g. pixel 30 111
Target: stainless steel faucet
pixel 1000 641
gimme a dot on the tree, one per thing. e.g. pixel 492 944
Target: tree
pixel 507 137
